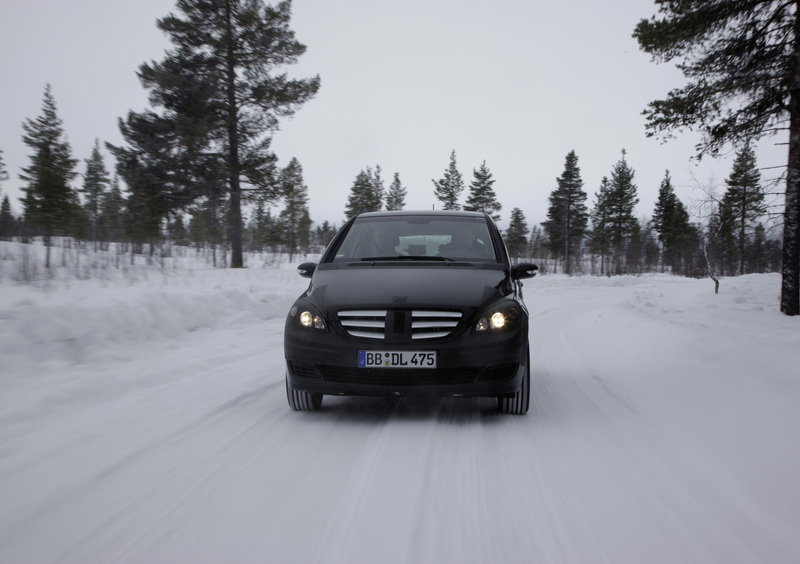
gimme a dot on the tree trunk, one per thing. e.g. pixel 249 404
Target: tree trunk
pixel 235 216
pixel 790 270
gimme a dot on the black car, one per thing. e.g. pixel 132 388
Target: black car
pixel 411 304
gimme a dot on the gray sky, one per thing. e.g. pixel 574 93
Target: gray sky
pixel 517 83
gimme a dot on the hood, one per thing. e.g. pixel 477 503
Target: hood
pixel 379 287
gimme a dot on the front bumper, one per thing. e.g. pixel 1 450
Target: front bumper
pixel 468 364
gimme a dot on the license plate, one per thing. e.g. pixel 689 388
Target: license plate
pixel 397 359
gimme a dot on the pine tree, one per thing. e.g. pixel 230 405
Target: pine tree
pixel 567 214
pixel 396 196
pixel 743 202
pixel 95 184
pixel 221 87
pixel 599 240
pixel 449 188
pixel 366 194
pixel 304 232
pixel 153 166
pixel 671 222
pixel 740 57
pixel 49 200
pixel 295 198
pixel 481 194
pixel 3 171
pixel 323 235
pixel 516 236
pixel 537 244
pixel 256 228
pixel 112 213
pixel 621 224
pixel 8 224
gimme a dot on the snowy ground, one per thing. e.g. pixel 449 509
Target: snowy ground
pixel 143 418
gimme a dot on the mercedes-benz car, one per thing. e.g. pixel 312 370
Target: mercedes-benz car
pixel 411 304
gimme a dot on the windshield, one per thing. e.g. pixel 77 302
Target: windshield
pixel 417 237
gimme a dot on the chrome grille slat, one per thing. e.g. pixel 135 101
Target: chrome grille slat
pixel 425 324
pixel 366 324
pixel 428 324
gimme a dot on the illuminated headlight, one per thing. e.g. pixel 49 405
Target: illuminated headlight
pixel 308 319
pixel 497 320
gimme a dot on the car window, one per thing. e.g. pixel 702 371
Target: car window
pixel 458 238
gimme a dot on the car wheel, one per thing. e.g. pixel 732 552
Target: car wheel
pixel 519 403
pixel 302 401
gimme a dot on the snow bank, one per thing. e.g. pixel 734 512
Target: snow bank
pixel 81 321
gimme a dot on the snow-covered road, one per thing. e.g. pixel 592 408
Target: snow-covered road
pixel 664 428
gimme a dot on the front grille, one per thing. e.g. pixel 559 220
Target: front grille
pixel 433 324
pixel 397 377
pixel 425 324
pixel 368 324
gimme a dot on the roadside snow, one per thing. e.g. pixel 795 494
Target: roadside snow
pixel 143 418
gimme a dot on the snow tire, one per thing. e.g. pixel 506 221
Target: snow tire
pixel 520 402
pixel 302 401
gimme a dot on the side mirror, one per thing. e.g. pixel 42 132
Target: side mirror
pixel 306 270
pixel 523 270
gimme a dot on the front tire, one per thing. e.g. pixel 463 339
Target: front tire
pixel 520 402
pixel 302 401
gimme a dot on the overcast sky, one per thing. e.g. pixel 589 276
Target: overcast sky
pixel 515 83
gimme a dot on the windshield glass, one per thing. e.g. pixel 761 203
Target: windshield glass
pixel 422 237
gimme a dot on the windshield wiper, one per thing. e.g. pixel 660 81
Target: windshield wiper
pixel 446 260
pixel 406 257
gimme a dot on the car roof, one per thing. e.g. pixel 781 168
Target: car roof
pixel 432 213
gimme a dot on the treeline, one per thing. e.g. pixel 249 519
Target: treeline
pixel 606 239
pixel 729 239
pixel 609 239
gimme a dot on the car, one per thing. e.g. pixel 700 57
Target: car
pixel 411 304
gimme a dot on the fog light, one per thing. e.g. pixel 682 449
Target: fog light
pixel 498 320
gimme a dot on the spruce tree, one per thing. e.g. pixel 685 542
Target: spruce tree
pixel 516 236
pixel 481 194
pixel 536 244
pixel 396 196
pixel 743 202
pixel 323 235
pixel 449 188
pixel 7 222
pixel 621 223
pixel 3 171
pixel 671 222
pixel 49 201
pixel 295 198
pixel 741 61
pixel 366 194
pixel 223 87
pixel 599 240
pixel 95 185
pixel 154 168
pixel 112 212
pixel 567 214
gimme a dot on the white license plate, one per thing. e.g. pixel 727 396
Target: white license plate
pixel 397 359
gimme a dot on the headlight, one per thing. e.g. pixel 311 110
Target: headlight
pixel 309 319
pixel 497 318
